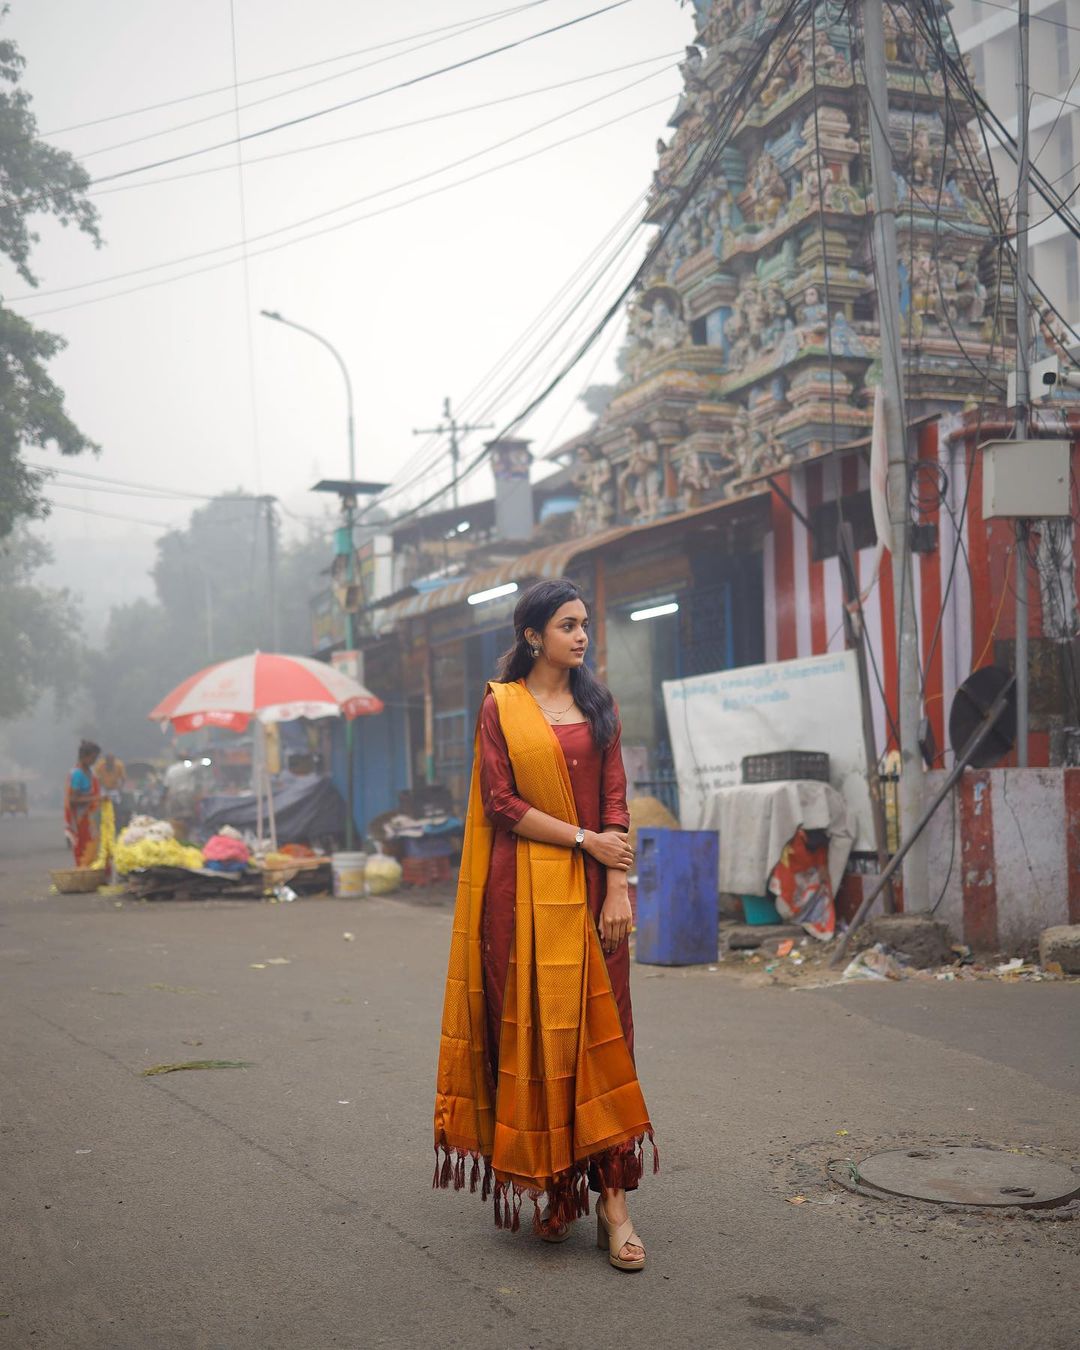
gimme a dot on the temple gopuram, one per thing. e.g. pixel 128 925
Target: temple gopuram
pixel 753 344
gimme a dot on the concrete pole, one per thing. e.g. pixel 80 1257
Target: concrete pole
pixel 886 267
pixel 272 573
pixel 1023 358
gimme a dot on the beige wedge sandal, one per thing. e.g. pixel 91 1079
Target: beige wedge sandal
pixel 615 1239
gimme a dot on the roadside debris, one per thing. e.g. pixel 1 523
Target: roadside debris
pixel 197 1064
pixel 799 963
pixel 874 963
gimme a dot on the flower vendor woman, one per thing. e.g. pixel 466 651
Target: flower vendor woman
pixel 82 804
pixel 548 1104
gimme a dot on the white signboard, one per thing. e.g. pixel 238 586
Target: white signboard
pixel 811 704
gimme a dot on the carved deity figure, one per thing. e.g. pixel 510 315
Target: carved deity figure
pixel 816 178
pixel 922 158
pixel 641 481
pixel 971 294
pixel 595 482
pixel 666 330
pixel 814 315
pixel 695 475
pixel 769 189
pixel 742 444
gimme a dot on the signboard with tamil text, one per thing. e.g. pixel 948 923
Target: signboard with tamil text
pixel 809 704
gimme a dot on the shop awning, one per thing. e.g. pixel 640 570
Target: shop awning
pixel 541 564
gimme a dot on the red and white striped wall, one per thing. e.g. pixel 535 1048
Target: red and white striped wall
pixel 1006 860
pixel 960 609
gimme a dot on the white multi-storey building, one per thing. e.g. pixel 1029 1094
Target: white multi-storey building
pixel 987 32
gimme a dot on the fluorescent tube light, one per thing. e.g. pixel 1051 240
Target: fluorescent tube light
pixel 654 611
pixel 496 592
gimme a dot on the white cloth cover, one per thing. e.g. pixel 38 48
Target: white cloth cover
pixel 756 820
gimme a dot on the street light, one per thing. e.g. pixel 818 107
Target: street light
pixel 290 323
pixel 347 492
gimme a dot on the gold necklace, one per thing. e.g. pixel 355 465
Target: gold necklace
pixel 555 716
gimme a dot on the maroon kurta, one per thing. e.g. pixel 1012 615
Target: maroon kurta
pixel 598 780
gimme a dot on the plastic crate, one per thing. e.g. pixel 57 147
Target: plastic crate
pixel 759 909
pixel 783 766
pixel 425 871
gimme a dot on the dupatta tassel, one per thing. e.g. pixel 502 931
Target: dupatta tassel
pixel 446 1173
pixel 459 1173
pixel 474 1175
pixel 435 1178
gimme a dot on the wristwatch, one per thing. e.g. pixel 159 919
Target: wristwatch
pixel 579 838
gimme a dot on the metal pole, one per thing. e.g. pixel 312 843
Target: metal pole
pixel 855 632
pixel 271 574
pixel 455 452
pixel 456 430
pixel 348 508
pixel 966 755
pixel 887 271
pixel 1023 358
pixel 209 598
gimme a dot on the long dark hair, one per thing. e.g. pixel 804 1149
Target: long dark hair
pixel 534 610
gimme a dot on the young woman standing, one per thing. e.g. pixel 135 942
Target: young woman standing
pixel 536 1071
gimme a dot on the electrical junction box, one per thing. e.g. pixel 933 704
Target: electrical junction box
pixel 1025 480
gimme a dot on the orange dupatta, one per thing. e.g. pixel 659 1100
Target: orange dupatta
pixel 568 1093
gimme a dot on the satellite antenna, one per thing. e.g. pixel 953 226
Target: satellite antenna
pixel 971 704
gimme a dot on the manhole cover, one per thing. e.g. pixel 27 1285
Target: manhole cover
pixel 969 1176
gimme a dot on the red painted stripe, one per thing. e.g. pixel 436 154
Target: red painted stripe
pixel 1072 841
pixel 977 873
pixel 930 604
pixel 983 597
pixel 784 573
pixel 819 637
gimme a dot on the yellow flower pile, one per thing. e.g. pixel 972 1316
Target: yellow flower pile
pixel 156 853
pixel 150 843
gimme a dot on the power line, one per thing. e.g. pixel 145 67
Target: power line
pixel 344 206
pixel 290 70
pixel 330 229
pixel 363 98
pixel 285 93
pixel 1035 18
pixel 383 131
pixel 517 344
pixel 111 515
pixel 120 482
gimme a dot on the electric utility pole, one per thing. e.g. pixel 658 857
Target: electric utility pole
pixel 271 571
pixel 450 426
pixel 887 271
pixel 1023 369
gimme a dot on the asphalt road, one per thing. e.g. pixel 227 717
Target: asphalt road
pixel 289 1204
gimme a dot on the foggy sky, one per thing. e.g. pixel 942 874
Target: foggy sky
pixel 421 301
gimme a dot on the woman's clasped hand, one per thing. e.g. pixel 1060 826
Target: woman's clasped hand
pixel 612 848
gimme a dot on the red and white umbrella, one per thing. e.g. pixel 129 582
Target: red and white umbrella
pixel 267 686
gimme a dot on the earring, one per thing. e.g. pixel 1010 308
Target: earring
pixel 535 652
